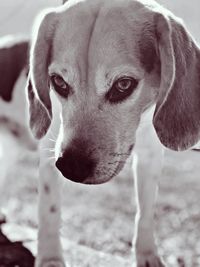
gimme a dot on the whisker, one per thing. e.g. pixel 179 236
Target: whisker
pixel 52 134
pixel 51 158
pixel 48 149
pixel 50 139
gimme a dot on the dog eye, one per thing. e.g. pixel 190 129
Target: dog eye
pixel 60 86
pixel 121 89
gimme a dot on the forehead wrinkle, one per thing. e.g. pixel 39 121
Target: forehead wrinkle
pixel 111 36
pixel 73 37
pixel 89 41
pixel 116 46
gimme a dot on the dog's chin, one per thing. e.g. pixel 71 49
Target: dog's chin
pixel 96 180
pixel 90 181
pixel 103 180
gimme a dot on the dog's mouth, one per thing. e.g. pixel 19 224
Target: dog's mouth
pixel 96 181
pixel 88 171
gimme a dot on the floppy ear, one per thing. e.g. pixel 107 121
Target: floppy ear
pixel 38 82
pixel 39 118
pixel 177 114
pixel 13 59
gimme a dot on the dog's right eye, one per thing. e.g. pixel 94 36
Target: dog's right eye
pixel 121 89
pixel 60 86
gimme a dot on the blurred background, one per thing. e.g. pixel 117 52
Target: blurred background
pixel 17 16
pixel 99 221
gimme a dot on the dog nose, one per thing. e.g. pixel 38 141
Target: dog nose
pixel 75 166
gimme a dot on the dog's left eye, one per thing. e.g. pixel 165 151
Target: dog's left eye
pixel 121 89
pixel 60 86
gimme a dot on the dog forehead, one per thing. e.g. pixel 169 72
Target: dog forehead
pixel 94 35
pixel 92 21
pixel 73 30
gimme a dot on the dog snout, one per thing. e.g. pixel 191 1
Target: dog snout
pixel 75 166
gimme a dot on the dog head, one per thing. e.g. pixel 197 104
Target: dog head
pixel 107 62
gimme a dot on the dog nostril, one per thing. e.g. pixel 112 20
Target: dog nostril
pixel 75 166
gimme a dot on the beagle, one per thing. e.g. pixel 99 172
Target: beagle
pixel 97 68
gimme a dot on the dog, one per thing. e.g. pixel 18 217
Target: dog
pixel 97 68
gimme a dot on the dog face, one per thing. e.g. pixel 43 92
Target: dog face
pixel 107 63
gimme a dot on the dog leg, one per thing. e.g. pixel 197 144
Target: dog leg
pixel 50 184
pixel 146 189
pixel 49 245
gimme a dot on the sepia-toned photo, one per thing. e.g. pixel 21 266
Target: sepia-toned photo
pixel 99 133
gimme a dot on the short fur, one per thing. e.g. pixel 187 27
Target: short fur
pixel 133 38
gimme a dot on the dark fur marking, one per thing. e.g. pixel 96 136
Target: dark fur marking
pixel 130 148
pixel 53 209
pixel 15 128
pixel 46 188
pixel 13 60
pixel 4 120
pixel 147 48
pixel 15 132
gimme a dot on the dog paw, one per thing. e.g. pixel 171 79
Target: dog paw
pixel 50 263
pixel 149 260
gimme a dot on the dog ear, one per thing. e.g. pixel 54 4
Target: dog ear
pixel 39 117
pixel 38 82
pixel 13 59
pixel 177 114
